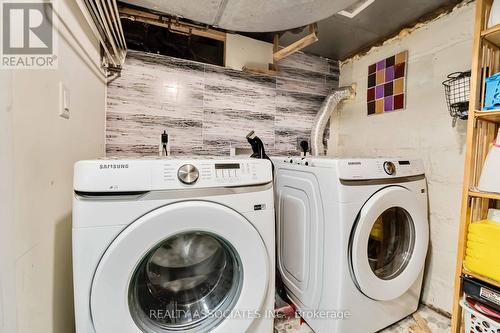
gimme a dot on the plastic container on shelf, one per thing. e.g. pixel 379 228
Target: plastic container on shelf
pixel 476 322
pixel 482 292
pixel 490 175
pixel 483 246
pixel 492 94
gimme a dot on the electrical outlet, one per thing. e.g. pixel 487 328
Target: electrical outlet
pixel 299 147
pixel 64 101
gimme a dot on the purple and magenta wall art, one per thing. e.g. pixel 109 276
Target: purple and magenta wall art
pixel 387 84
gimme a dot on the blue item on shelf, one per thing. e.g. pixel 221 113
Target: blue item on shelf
pixel 492 96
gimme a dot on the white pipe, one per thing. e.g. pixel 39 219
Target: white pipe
pixel 104 20
pixel 329 105
pixel 107 28
pixel 94 20
pixel 120 28
pixel 111 24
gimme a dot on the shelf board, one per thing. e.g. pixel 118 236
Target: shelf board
pixel 485 195
pixel 482 278
pixel 492 35
pixel 493 115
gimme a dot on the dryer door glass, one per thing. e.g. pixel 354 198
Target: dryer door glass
pixel 391 242
pixel 183 281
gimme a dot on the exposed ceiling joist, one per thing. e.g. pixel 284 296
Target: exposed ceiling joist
pixel 305 41
pixel 170 23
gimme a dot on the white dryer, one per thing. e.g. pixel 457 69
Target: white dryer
pixel 173 245
pixel 352 239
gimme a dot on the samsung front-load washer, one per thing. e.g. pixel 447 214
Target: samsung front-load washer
pixel 173 245
pixel 352 239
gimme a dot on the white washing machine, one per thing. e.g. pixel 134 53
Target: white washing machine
pixel 173 245
pixel 352 239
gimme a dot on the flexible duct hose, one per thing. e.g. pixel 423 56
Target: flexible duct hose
pixel 329 105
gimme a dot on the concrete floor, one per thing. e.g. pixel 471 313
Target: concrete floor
pixel 437 323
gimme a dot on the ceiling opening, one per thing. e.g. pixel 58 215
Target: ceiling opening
pixel 154 39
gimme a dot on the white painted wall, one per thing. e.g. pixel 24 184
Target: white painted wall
pixel 423 130
pixel 241 51
pixel 45 148
pixel 7 233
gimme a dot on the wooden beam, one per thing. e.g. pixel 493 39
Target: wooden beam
pixel 171 24
pixel 311 38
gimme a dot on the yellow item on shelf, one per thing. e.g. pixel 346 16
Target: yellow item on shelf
pixel 483 249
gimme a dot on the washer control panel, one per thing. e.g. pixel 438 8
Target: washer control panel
pixel 211 173
pixel 170 173
pixel 227 170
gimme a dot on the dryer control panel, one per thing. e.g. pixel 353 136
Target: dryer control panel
pixel 168 174
pixel 366 169
pixel 358 168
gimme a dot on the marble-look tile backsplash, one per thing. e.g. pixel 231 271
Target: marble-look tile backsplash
pixel 208 109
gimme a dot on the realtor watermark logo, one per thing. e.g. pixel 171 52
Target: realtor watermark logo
pixel 28 35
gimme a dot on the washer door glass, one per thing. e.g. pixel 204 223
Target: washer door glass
pixel 183 281
pixel 391 243
pixel 189 266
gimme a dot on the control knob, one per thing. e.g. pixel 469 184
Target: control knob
pixel 389 168
pixel 188 174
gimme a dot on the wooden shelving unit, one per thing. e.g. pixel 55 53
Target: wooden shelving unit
pixel 492 35
pixel 482 127
pixel 493 116
pixel 484 195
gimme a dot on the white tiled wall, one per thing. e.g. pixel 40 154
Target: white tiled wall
pixel 208 109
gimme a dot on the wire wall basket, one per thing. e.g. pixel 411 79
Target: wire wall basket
pixel 457 93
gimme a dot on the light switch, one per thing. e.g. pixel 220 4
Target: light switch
pixel 64 99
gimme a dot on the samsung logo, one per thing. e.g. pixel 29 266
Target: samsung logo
pixel 353 163
pixel 113 166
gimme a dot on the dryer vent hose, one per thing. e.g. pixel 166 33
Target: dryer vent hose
pixel 329 105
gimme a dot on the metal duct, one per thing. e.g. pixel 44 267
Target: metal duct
pixel 329 105
pixel 104 20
